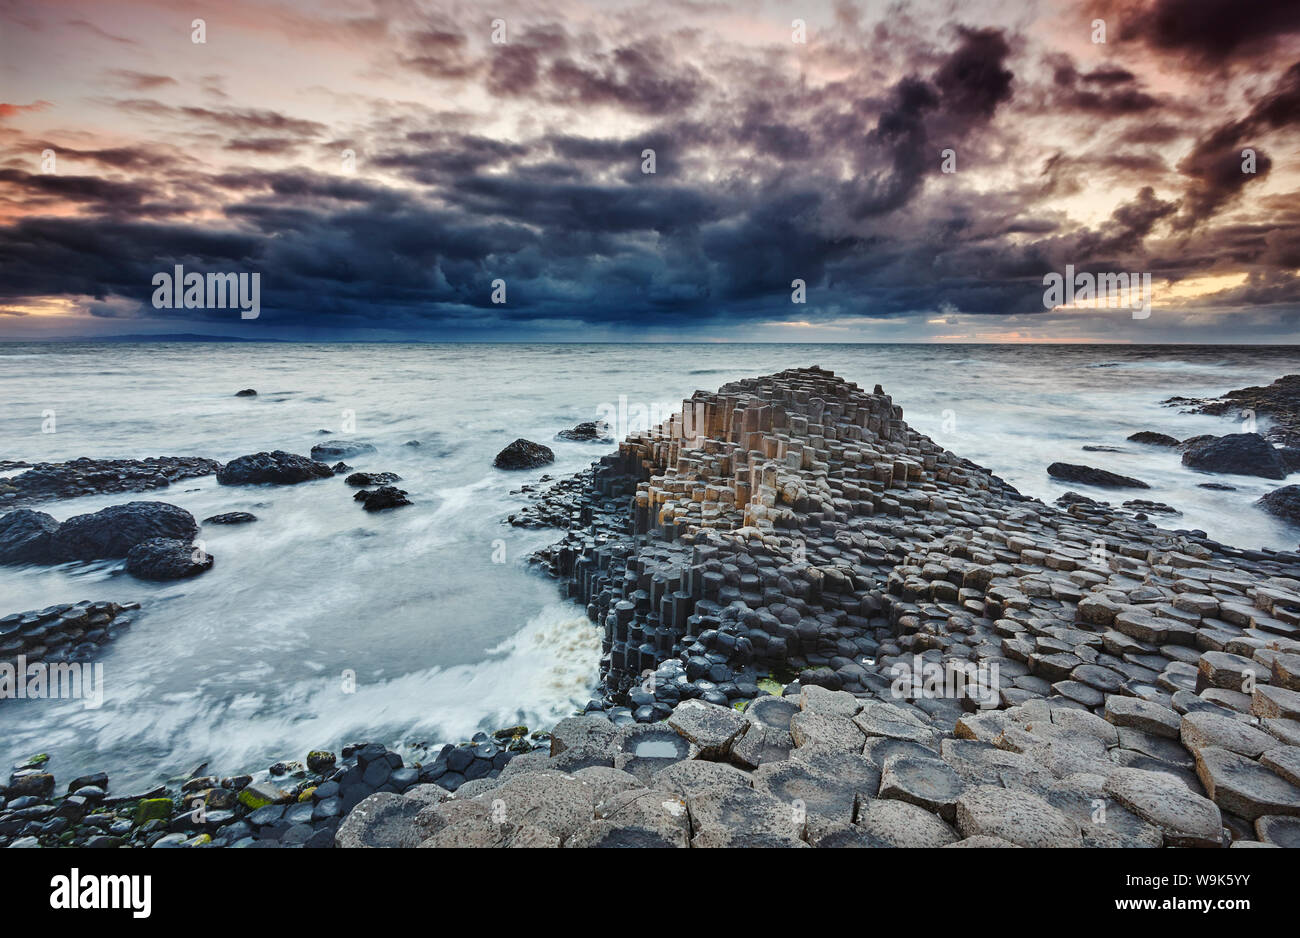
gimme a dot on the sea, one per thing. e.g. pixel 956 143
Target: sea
pixel 321 625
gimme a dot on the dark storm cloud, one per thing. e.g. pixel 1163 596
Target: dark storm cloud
pixel 1214 32
pixel 765 175
pixel 1217 164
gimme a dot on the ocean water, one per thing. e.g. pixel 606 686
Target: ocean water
pixel 432 608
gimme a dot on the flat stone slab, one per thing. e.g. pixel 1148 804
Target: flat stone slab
pixel 601 834
pixel 647 809
pixel 709 726
pixel 556 803
pixel 930 783
pixel 383 819
pixel 821 729
pixel 1186 818
pixel 772 712
pixel 1244 787
pixel 850 768
pixel 734 810
pixel 1221 669
pixel 1278 830
pixel 595 732
pixel 1016 816
pixel 694 776
pixel 808 790
pixel 901 824
pixel 1142 715
pixel 815 699
pixel 1285 761
pixel 1202 729
pixel 1275 702
pixel 882 719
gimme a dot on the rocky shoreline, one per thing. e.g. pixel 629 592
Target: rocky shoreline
pixel 823 629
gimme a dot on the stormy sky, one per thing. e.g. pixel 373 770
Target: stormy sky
pixel 390 168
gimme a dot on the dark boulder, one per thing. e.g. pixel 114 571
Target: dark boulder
pixel 232 517
pixel 277 468
pixel 340 449
pixel 164 558
pixel 1151 438
pixel 247 392
pixel 26 536
pixel 113 531
pixel 360 479
pixel 1087 475
pixel 1284 503
pixel 382 498
pixel 1246 454
pixel 523 454
pixel 592 431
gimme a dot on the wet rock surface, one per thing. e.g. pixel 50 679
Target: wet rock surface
pixel 382 498
pixel 523 454
pixel 274 468
pixel 68 632
pixel 1279 401
pixel 593 431
pixel 162 558
pixel 1238 454
pixel 796 555
pixel 340 449
pixel 1087 475
pixel 85 476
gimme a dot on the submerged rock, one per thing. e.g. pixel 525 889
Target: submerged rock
pixel 1151 438
pixel 231 517
pixel 161 558
pixel 26 536
pixel 523 454
pixel 1087 475
pixel 340 449
pixel 1246 454
pixel 113 531
pixel 275 468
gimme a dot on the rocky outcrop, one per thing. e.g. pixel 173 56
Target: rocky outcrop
pixel 246 392
pixel 162 558
pixel 1279 402
pixel 66 632
pixel 275 468
pixel 523 454
pixel 1087 475
pixel 1237 454
pixel 593 431
pixel 362 479
pixel 382 498
pixel 1283 502
pixel 78 477
pixel 1151 438
pixel 27 537
pixel 112 532
pixel 340 449
pixel 794 527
